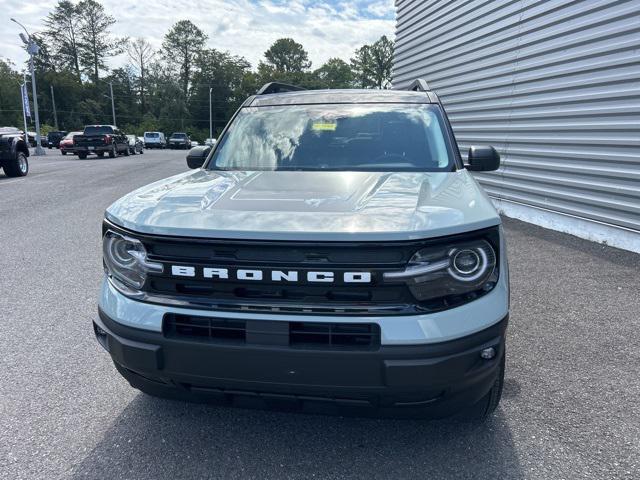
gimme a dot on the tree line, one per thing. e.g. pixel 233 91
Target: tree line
pixel 165 89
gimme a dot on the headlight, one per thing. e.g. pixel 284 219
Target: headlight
pixel 441 272
pixel 125 259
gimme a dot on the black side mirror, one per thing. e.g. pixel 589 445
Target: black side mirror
pixel 197 156
pixel 483 159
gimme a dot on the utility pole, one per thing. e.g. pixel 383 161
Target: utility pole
pixel 113 107
pixel 210 115
pixel 33 49
pixel 55 114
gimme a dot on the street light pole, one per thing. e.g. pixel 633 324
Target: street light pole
pixel 33 49
pixel 210 115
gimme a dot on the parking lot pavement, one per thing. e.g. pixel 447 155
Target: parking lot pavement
pixel 570 407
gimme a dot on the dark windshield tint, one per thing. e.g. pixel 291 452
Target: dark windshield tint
pixel 341 137
pixel 179 135
pixel 98 130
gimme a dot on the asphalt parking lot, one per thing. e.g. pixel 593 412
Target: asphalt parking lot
pixel 570 409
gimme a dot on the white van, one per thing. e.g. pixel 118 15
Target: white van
pixel 154 140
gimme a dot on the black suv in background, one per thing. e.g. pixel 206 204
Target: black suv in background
pixel 179 140
pixel 53 138
pixel 101 139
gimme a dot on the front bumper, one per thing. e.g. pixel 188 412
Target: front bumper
pixel 436 379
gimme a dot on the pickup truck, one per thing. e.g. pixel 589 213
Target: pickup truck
pixel 101 139
pixel 13 152
pixel 332 249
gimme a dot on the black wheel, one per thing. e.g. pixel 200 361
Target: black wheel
pixel 17 167
pixel 141 151
pixel 63 152
pixel 485 407
pixel 113 152
pixel 100 154
pixel 126 152
pixel 82 155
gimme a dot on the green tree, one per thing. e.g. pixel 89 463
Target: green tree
pixel 372 64
pixel 224 74
pixel 10 99
pixel 181 45
pixel 95 44
pixel 124 94
pixel 62 34
pixel 335 73
pixel 288 56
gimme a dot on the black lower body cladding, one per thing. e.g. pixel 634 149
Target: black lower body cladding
pixel 433 380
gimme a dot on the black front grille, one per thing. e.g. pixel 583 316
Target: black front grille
pixel 314 335
pixel 284 297
pixel 300 297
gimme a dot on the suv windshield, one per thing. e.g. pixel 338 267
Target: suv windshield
pixel 179 135
pixel 98 130
pixel 339 137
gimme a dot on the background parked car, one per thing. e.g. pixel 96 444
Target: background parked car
pixel 101 139
pixel 31 139
pixel 66 144
pixel 154 140
pixel 136 145
pixel 210 142
pixel 54 138
pixel 179 140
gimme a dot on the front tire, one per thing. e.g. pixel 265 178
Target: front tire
pixel 112 152
pixel 126 152
pixel 63 152
pixel 82 155
pixel 17 167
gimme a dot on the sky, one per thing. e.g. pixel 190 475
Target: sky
pixel 326 28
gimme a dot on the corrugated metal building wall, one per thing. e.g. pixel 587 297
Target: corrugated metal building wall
pixel 554 85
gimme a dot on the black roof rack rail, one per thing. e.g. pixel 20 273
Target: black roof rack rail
pixel 419 85
pixel 277 87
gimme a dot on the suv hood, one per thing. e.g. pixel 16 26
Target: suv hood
pixel 307 205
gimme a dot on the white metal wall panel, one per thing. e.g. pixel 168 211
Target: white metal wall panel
pixel 554 85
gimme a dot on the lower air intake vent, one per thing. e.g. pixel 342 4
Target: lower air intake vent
pixel 335 335
pixel 343 336
pixel 215 329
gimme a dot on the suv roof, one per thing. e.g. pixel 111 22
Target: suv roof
pixel 339 96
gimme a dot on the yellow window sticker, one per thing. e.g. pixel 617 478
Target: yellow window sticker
pixel 324 126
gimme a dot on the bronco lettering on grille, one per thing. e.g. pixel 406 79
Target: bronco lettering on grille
pixel 291 276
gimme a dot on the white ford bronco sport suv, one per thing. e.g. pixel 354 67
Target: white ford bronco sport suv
pixel 330 252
